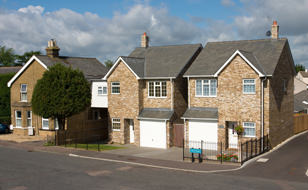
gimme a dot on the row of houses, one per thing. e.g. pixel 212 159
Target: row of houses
pixel 158 94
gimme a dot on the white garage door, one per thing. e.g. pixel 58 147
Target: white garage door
pixel 203 131
pixel 153 134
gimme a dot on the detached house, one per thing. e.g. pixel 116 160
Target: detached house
pixel 248 83
pixel 24 122
pixel 147 93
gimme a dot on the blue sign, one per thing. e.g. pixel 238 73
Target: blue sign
pixel 195 150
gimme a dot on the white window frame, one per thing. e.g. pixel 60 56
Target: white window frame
pixel 99 90
pixel 243 84
pixel 154 91
pixel 116 121
pixel 45 119
pixel 23 92
pixel 105 90
pixel 202 84
pixel 56 124
pixel 16 118
pixel 115 85
pixel 254 127
pixel 29 118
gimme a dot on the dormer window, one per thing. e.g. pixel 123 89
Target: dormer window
pixel 206 88
pixel 157 89
pixel 23 92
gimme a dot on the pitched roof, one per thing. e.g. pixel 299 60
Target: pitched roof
pixel 161 61
pixel 91 67
pixel 262 54
pixel 299 98
pixel 201 113
pixel 4 70
pixel 304 73
pixel 156 113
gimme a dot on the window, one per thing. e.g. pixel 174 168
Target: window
pixel 45 123
pixel 101 90
pixel 29 118
pixel 116 124
pixel 23 92
pixel 249 129
pixel 56 124
pixel 157 89
pixel 206 88
pixel 115 88
pixel 18 118
pixel 249 86
pixel 284 85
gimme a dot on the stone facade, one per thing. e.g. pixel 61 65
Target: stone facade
pixel 234 105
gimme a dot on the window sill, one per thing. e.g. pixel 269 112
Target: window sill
pixel 115 93
pixel 116 130
pixel 206 96
pixel 246 93
pixel 249 136
pixel 150 97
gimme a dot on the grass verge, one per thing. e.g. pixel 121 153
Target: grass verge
pixel 93 147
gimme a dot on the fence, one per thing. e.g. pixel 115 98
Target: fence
pixel 300 123
pixel 254 147
pixel 225 152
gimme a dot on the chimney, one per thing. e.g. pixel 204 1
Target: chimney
pixel 52 49
pixel 275 30
pixel 144 40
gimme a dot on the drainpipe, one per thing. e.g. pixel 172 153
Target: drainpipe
pixel 188 93
pixel 171 83
pixel 262 110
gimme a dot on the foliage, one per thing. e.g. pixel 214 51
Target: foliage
pixel 21 59
pixel 5 109
pixel 227 157
pixel 239 129
pixel 299 67
pixel 108 64
pixel 61 93
pixel 7 56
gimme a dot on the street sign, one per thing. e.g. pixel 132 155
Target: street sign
pixel 195 150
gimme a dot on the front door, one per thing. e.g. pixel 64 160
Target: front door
pixel 232 135
pixel 131 131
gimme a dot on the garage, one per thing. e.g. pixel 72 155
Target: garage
pixel 153 133
pixel 205 131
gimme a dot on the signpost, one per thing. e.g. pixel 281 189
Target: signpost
pixel 195 151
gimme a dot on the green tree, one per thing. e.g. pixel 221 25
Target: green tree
pixel 5 108
pixel 61 93
pixel 21 59
pixel 7 56
pixel 108 63
pixel 299 67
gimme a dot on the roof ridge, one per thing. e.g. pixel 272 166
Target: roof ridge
pixel 169 45
pixel 68 57
pixel 133 57
pixel 255 40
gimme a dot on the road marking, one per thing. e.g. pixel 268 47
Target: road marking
pixel 307 172
pixel 152 166
pixel 263 160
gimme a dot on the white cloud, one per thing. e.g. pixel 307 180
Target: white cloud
pixel 32 9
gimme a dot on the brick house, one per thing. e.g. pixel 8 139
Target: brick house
pixel 148 93
pixel 24 122
pixel 248 83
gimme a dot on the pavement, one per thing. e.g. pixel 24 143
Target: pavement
pixel 20 138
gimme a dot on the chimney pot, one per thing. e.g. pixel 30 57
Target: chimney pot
pixel 52 49
pixel 275 30
pixel 144 40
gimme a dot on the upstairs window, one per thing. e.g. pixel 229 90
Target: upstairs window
pixel 101 90
pixel 116 124
pixel 206 88
pixel 23 92
pixel 157 89
pixel 249 86
pixel 115 88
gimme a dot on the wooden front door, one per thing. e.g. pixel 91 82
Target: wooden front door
pixel 178 135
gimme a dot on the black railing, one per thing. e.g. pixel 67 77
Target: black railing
pixel 254 147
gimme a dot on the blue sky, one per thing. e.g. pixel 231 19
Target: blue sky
pixel 108 29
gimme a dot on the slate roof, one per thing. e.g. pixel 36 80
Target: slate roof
pixel 91 67
pixel 304 73
pixel 263 54
pixel 161 61
pixel 298 101
pixel 156 113
pixel 201 113
pixel 4 70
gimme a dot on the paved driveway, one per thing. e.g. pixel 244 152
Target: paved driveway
pixel 289 162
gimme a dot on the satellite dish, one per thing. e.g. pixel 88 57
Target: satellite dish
pixel 268 33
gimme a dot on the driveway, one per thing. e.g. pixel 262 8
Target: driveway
pixel 289 162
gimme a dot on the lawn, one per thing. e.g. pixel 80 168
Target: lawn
pixel 95 147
